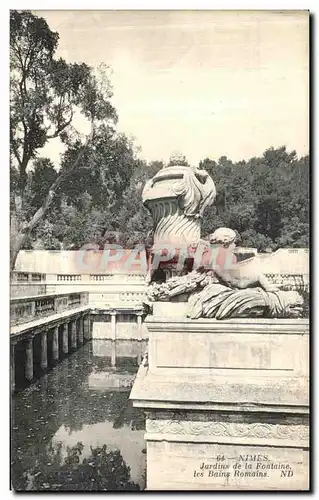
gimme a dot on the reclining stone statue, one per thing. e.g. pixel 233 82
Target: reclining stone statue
pixel 223 261
pixel 216 286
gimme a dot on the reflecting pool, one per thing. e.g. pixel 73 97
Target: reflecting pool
pixel 76 430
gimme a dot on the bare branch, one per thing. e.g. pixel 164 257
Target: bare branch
pixel 52 190
pixel 60 128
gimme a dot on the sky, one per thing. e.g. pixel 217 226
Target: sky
pixel 204 83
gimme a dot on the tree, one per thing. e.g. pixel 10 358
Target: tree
pixel 266 199
pixel 133 216
pixel 106 170
pixel 102 470
pixel 42 177
pixel 45 95
pixel 268 217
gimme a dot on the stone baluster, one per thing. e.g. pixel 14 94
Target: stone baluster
pixel 29 359
pixel 55 344
pixel 33 309
pixel 44 350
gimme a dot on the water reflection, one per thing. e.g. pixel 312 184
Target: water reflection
pixel 70 433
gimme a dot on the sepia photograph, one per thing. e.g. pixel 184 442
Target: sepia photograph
pixel 159 250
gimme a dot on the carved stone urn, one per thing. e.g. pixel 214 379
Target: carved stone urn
pixel 177 197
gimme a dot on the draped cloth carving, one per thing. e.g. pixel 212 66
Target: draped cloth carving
pixel 209 299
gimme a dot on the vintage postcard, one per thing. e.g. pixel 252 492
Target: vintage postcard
pixel 159 253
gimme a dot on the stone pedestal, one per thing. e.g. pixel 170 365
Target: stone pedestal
pixel 226 403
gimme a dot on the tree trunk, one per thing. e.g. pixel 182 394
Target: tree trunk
pixel 18 239
pixel 15 248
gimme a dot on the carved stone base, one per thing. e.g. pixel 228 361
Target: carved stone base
pixel 213 451
pixel 226 404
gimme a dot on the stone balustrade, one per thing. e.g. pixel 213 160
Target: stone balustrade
pixel 26 277
pixel 24 310
pixel 110 290
pixel 105 290
pixel 68 277
pixel 42 344
pixel 44 329
pixel 50 279
pixel 25 284
pixel 290 281
pixel 100 277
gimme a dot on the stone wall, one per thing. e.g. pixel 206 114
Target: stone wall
pixel 79 262
pixel 27 289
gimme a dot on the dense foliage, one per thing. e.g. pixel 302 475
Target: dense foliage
pixel 46 94
pixel 264 198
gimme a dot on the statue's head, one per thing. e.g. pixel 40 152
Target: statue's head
pixel 224 236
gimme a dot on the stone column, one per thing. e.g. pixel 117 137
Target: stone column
pixel 139 325
pixel 29 359
pixel 55 344
pixel 12 367
pixel 65 338
pixel 73 334
pixel 44 350
pixel 113 353
pixel 80 329
pixel 139 335
pixel 113 325
pixel 87 327
pixel 113 337
pixel 139 358
pixel 85 333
